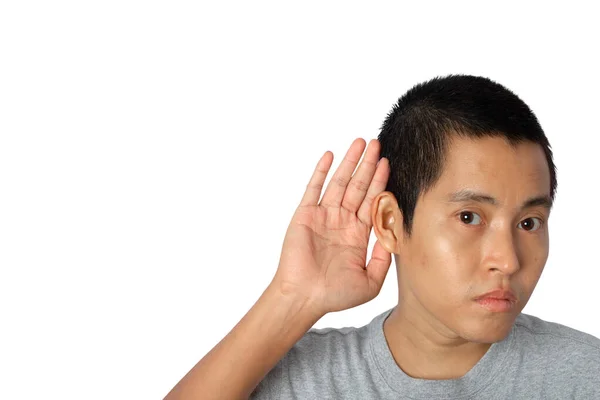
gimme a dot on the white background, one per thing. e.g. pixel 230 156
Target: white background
pixel 152 155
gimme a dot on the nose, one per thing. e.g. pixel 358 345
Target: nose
pixel 502 253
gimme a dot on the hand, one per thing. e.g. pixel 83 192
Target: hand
pixel 324 252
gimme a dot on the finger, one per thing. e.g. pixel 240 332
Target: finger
pixel 339 181
pixel 378 268
pixel 357 188
pixel 378 185
pixel 315 185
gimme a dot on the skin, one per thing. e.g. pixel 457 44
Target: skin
pixel 438 331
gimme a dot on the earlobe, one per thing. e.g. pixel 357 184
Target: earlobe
pixel 387 221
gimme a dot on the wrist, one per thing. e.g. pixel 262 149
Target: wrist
pixel 295 302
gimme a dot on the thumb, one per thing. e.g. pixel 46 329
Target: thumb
pixel 378 267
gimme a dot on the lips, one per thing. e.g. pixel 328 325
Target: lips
pixel 499 294
pixel 498 301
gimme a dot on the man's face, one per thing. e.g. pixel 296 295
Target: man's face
pixel 462 249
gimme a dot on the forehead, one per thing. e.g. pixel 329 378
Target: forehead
pixel 492 165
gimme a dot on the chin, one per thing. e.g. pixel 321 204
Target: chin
pixel 487 331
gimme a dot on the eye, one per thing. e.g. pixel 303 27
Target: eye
pixel 530 225
pixel 468 217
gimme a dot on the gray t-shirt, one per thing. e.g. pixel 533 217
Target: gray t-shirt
pixel 537 360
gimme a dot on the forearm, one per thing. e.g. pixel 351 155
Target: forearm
pixel 237 364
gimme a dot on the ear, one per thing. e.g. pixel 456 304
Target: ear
pixel 387 221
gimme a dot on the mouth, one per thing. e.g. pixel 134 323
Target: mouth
pixel 496 305
pixel 498 300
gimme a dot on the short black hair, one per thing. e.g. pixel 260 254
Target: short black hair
pixel 415 134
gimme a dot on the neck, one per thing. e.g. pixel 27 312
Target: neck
pixel 425 350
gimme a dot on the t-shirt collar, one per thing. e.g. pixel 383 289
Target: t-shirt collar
pixel 481 375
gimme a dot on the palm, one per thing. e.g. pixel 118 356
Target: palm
pixel 325 248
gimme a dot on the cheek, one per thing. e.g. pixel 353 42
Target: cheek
pixel 448 247
pixel 534 259
pixel 539 257
pixel 445 265
pixel 533 251
pixel 453 250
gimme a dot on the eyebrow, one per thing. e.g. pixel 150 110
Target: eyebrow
pixel 470 195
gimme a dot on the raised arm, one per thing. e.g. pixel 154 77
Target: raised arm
pixel 322 269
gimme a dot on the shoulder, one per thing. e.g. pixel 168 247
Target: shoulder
pixel 325 345
pixel 320 361
pixel 555 333
pixel 562 350
pixel 335 335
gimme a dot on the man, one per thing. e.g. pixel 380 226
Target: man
pixel 459 187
